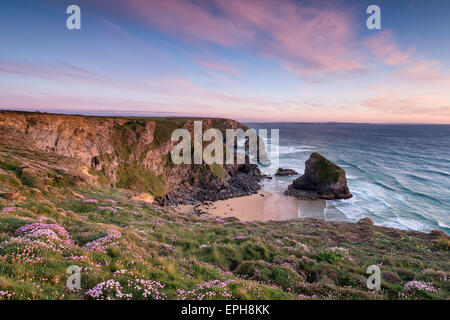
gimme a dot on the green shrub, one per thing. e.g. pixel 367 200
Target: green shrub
pixel 345 279
pixel 328 256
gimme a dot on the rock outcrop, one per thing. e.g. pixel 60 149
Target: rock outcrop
pixel 285 172
pixel 322 180
pixel 131 153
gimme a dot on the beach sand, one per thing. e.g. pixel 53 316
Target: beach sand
pixel 262 206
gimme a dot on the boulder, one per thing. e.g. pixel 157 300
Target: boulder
pixel 285 172
pixel 322 180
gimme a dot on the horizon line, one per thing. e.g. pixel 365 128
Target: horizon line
pixel 118 113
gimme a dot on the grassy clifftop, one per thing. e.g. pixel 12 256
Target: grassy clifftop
pixel 126 249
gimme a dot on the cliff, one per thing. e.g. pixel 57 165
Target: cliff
pixel 131 153
pixel 54 213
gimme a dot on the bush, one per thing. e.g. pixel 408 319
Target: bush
pixel 328 256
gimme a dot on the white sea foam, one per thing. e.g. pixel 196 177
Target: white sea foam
pixel 397 181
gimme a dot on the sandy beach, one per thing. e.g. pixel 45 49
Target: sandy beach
pixel 263 206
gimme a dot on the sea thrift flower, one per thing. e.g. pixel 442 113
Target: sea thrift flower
pixel 107 208
pixel 104 242
pixel 6 294
pixel 48 231
pixel 90 201
pixel 415 286
pixel 440 274
pixel 108 290
pixel 112 290
pixel 207 289
pixel 204 246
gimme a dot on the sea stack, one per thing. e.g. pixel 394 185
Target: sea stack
pixel 322 180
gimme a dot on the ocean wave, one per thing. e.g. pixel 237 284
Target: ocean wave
pixel 351 165
pixel 441 173
pixel 442 224
pixel 396 180
pixel 287 150
pixel 417 177
pixel 384 185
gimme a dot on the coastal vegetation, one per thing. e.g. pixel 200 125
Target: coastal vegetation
pixel 129 249
pixel 78 192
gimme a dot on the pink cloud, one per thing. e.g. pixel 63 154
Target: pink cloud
pixel 406 103
pixel 311 38
pixel 217 66
pixel 385 49
pixel 178 17
pixel 425 71
pixel 69 73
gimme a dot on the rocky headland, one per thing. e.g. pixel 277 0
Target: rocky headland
pixel 131 153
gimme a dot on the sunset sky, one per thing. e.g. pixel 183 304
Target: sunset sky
pixel 248 60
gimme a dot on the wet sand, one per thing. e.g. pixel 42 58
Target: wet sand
pixel 263 206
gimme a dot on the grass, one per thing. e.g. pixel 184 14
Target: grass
pixel 132 124
pixel 142 246
pixel 136 177
pixel 163 131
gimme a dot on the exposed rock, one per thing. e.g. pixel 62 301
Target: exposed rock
pixel 10 195
pixel 437 233
pixel 285 172
pixel 128 153
pixel 144 197
pixel 240 180
pixel 322 180
pixel 77 195
pixel 366 220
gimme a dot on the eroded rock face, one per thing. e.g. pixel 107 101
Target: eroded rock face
pixel 130 153
pixel 322 180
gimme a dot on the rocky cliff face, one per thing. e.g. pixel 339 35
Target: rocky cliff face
pixel 132 153
pixel 322 180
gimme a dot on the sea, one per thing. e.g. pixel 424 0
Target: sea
pixel 399 174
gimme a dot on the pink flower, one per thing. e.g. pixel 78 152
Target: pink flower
pixel 90 201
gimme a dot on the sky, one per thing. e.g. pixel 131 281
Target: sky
pixel 250 60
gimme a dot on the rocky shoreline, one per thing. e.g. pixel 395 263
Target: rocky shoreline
pixel 131 153
pixel 243 182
